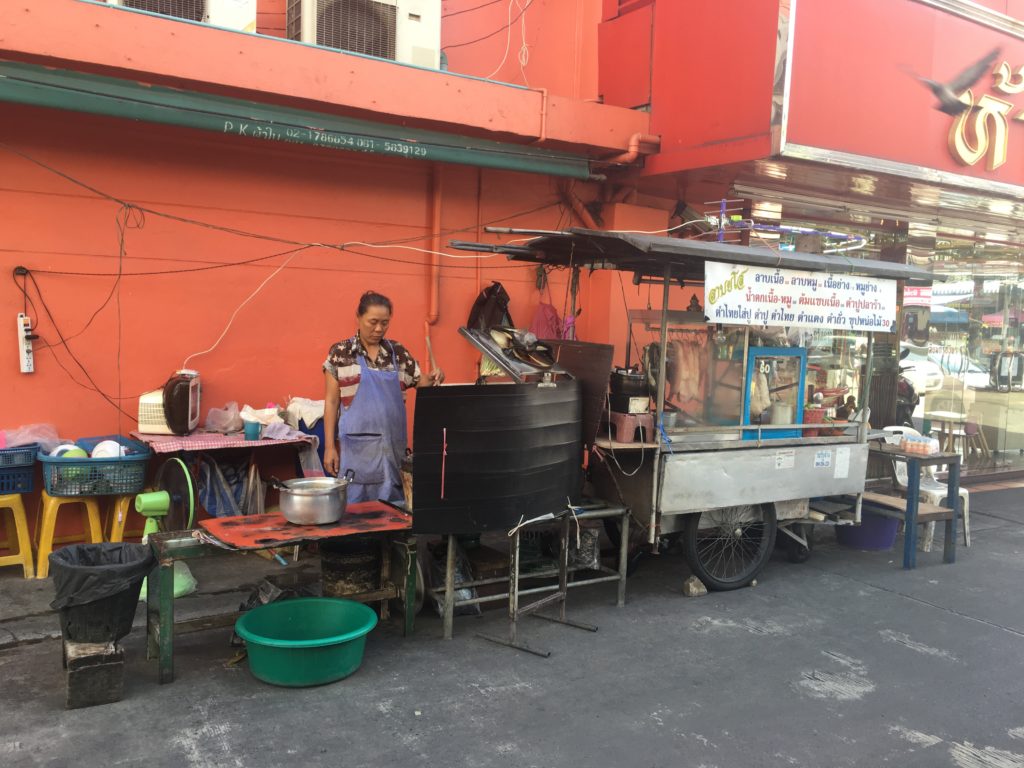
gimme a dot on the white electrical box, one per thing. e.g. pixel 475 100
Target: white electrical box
pixel 25 356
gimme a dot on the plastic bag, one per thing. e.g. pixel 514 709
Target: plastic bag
pixel 85 573
pixel 546 322
pixel 226 419
pixel 264 416
pixel 44 434
pixel 463 572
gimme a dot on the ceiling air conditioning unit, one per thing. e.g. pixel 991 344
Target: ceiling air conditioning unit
pixel 231 14
pixel 408 31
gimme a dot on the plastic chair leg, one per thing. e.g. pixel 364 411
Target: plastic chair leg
pixel 93 521
pixel 119 516
pixel 929 537
pixel 965 501
pixel 17 531
pixel 44 532
pixel 50 509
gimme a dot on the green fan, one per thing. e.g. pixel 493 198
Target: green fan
pixel 171 507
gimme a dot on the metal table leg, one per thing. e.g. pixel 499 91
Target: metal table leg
pixel 623 558
pixel 410 586
pixel 385 574
pixel 953 502
pixel 449 589
pixel 165 636
pixel 559 596
pixel 910 518
pixel 153 614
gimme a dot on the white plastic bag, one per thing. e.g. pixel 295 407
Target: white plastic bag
pixel 264 416
pixel 226 419
pixel 44 434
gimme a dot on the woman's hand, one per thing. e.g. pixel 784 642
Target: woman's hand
pixel 331 460
pixel 432 379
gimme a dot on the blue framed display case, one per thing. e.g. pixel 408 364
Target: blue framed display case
pixel 773 390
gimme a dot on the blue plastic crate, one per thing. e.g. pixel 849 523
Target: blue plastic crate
pixel 17 468
pixel 116 476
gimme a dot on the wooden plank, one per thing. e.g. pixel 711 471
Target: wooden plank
pixel 926 513
pixel 830 507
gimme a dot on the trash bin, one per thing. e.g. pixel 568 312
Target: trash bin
pixel 97 588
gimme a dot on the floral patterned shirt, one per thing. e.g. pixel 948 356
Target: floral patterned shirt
pixel 343 364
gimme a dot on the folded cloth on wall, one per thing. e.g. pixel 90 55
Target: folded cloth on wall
pixel 304 409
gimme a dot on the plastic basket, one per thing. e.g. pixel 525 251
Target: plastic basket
pixel 16 468
pixel 116 476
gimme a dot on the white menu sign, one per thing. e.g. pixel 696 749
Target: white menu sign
pixel 745 295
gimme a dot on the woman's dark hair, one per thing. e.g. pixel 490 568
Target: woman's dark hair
pixel 371 299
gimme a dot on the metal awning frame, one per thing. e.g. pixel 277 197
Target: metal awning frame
pixel 647 256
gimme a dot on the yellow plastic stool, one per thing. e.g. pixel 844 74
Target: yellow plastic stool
pixel 50 507
pixel 117 518
pixel 18 533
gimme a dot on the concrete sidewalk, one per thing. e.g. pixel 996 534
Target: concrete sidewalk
pixel 846 660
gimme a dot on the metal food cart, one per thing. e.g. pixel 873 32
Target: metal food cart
pixel 746 456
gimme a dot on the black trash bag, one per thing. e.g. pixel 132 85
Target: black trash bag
pixel 490 309
pixel 85 573
pixel 97 588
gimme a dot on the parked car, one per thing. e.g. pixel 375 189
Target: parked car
pixel 926 375
pixel 966 370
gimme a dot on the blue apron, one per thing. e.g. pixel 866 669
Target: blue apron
pixel 372 435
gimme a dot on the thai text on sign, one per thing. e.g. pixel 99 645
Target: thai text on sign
pixel 760 296
pixel 983 129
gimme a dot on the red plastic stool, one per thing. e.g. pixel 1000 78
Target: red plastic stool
pixel 627 424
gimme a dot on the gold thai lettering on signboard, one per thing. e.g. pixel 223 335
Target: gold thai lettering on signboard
pixel 982 130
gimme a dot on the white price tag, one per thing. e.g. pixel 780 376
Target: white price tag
pixel 822 459
pixel 785 459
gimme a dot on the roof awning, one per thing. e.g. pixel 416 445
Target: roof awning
pixel 650 256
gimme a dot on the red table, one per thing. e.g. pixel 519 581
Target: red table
pixel 272 530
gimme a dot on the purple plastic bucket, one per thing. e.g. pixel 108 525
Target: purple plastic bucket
pixel 874 532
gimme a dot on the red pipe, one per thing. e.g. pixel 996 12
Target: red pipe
pixel 570 198
pixel 633 151
pixel 434 307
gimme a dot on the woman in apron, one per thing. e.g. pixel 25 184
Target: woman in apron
pixel 366 378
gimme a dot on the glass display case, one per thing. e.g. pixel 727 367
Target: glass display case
pixel 773 391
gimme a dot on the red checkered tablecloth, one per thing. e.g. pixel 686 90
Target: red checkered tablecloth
pixel 207 441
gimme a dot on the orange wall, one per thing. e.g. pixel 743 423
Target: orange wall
pixel 561 38
pixel 277 342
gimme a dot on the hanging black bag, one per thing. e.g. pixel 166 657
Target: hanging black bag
pixel 490 309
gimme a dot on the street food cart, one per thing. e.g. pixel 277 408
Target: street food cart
pixel 746 418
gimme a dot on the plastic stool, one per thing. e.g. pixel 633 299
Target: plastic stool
pixel 50 507
pixel 626 425
pixel 18 533
pixel 117 517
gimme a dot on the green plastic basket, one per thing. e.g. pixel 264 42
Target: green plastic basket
pixel 307 640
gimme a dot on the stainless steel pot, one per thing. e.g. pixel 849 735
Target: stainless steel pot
pixel 314 500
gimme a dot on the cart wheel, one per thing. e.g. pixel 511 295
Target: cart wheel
pixel 795 551
pixel 728 547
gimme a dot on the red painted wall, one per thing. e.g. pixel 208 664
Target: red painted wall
pixel 711 83
pixel 560 36
pixel 270 17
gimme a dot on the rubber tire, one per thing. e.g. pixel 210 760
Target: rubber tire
pixel 690 539
pixel 796 552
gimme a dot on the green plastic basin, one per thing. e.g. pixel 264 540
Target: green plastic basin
pixel 306 641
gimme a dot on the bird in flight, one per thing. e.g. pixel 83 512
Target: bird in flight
pixel 948 94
